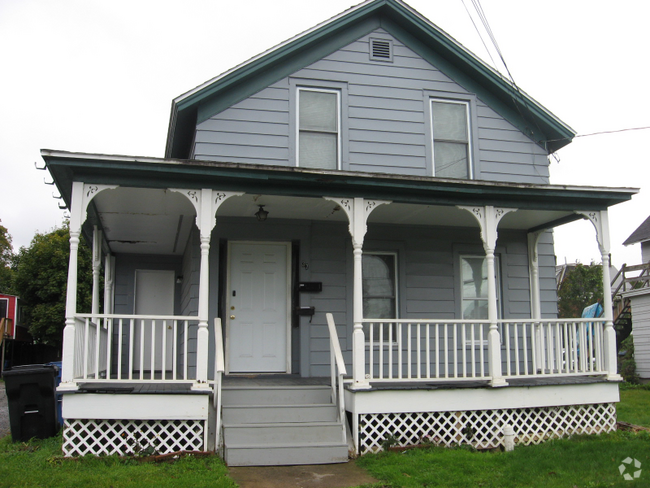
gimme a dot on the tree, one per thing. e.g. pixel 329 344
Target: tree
pixel 6 261
pixel 41 280
pixel 582 286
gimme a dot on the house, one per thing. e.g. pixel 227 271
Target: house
pixel 633 299
pixel 10 315
pixel 349 238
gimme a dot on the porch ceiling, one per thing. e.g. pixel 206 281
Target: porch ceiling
pixel 144 220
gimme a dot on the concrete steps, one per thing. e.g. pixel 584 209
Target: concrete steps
pixel 281 425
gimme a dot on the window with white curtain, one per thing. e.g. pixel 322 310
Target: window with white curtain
pixel 451 139
pixel 474 292
pixel 319 143
pixel 380 291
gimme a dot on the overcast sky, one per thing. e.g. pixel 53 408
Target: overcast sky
pixel 99 76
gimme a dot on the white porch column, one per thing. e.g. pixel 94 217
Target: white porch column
pixel 358 210
pixel 488 218
pixel 600 220
pixel 109 282
pixel 206 203
pixel 82 194
pixel 96 264
pixel 535 299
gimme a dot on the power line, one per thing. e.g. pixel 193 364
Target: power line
pixel 600 133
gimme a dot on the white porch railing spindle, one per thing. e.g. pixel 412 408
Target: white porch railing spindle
pixel 455 326
pixel 175 352
pixel 120 328
pixel 185 346
pixel 109 346
pixel 163 368
pixel 428 339
pixel 418 342
pixel 399 351
pixel 153 350
pixel 390 351
pixel 131 347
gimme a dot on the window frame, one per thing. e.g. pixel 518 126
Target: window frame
pixel 396 284
pixel 339 122
pixel 497 271
pixel 470 159
pixel 474 161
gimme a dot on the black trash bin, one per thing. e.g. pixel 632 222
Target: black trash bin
pixel 32 402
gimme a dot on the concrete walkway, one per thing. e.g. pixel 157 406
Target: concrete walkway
pixel 344 475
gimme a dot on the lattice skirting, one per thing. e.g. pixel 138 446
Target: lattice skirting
pixel 124 437
pixel 484 428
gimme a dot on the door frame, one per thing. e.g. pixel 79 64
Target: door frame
pixel 288 296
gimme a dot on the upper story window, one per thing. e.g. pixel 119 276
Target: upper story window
pixel 319 135
pixel 451 139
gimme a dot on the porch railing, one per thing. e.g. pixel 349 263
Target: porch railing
pixel 557 347
pixel 135 348
pixel 442 350
pixel 337 371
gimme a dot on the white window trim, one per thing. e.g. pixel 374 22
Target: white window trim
pixel 338 121
pixel 470 146
pixel 396 286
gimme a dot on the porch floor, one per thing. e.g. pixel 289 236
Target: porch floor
pixel 141 388
pixel 512 382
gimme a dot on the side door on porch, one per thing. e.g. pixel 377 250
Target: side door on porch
pixel 258 308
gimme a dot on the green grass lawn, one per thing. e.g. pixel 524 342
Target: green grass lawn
pixel 586 461
pixel 635 406
pixel 40 463
pixel 580 462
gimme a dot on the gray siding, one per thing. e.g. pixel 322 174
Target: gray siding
pixel 641 324
pixel 428 275
pixel 385 120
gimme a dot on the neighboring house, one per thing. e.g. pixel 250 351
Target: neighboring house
pixel 10 323
pixel 634 299
pixel 372 169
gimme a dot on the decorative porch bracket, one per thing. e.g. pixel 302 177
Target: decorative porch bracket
pixel 535 298
pixel 488 218
pixel 206 203
pixel 82 195
pixel 358 210
pixel 600 221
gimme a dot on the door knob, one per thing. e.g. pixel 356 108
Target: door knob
pixel 232 317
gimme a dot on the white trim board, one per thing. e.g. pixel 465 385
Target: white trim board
pixel 461 399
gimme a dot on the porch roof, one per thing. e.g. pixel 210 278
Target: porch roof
pixel 131 171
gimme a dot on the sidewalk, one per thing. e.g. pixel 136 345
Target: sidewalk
pixel 344 475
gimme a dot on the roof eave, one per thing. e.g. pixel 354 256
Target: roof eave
pixel 554 133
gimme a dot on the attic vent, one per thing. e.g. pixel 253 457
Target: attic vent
pixel 381 50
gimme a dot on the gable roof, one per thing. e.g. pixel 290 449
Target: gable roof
pixel 400 20
pixel 641 234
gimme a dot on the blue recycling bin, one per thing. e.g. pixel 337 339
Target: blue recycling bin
pixel 59 397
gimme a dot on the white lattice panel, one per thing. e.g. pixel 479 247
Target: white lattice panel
pixel 484 428
pixel 123 437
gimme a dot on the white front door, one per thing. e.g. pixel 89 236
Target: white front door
pixel 154 295
pixel 258 308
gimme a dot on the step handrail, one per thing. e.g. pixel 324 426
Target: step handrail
pixel 337 371
pixel 219 369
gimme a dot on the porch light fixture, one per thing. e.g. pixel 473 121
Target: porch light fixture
pixel 261 214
